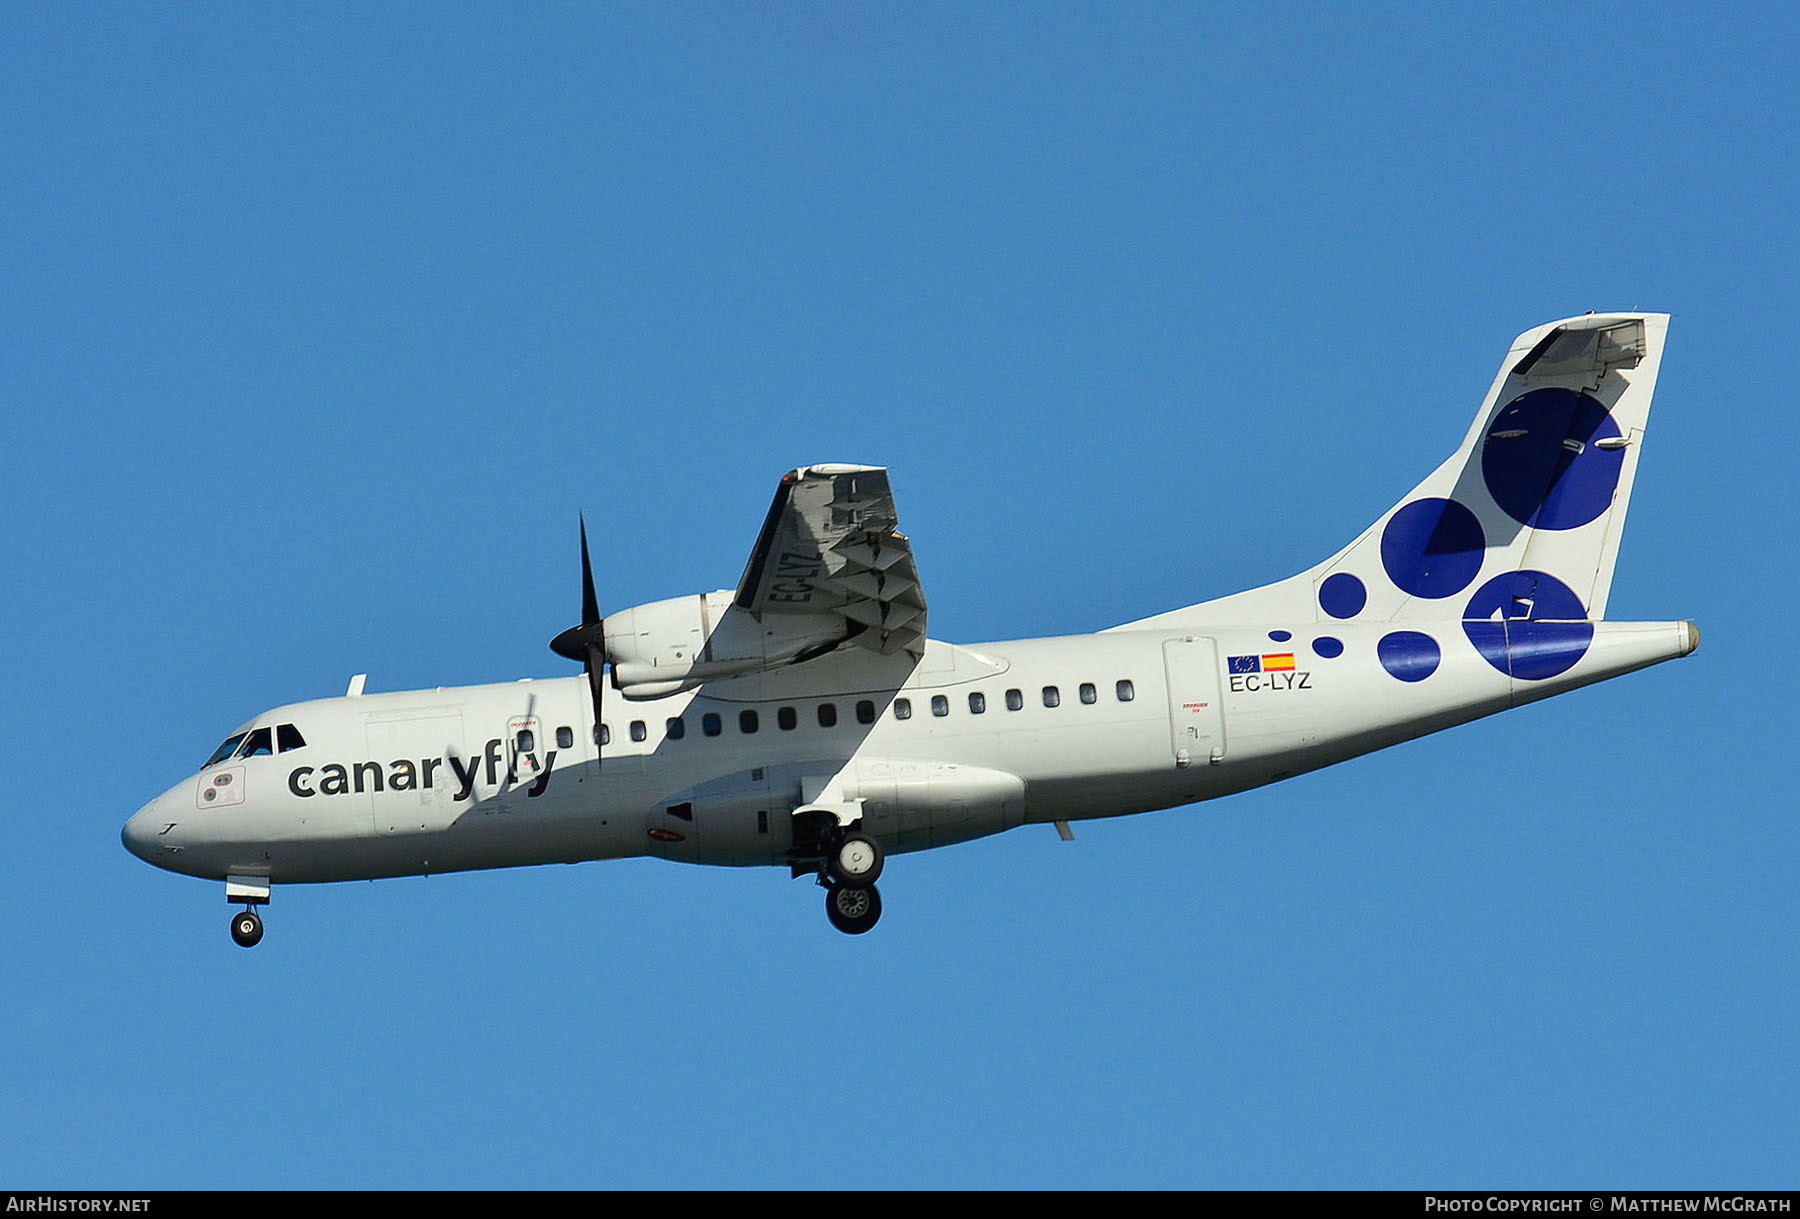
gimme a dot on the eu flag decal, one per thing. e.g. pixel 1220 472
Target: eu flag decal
pixel 1243 664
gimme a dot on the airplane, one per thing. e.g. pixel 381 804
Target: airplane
pixel 805 720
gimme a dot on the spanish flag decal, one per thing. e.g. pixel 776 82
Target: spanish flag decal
pixel 1278 662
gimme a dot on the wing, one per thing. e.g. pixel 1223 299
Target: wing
pixel 830 546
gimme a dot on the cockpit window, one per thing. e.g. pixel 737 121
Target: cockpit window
pixel 287 737
pixel 225 751
pixel 257 744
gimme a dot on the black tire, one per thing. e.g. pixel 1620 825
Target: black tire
pixel 852 909
pixel 853 851
pixel 246 929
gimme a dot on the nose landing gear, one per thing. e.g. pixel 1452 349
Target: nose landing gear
pixel 246 928
pixel 249 892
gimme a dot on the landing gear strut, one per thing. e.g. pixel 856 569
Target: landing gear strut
pixel 246 928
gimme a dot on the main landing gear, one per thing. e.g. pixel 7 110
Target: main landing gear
pixel 846 862
pixel 856 860
pixel 850 866
pixel 852 909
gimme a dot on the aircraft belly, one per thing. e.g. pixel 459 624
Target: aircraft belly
pixel 495 845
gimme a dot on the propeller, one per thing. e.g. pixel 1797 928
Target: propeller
pixel 586 642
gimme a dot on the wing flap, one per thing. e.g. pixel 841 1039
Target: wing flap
pixel 831 544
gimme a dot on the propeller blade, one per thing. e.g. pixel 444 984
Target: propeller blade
pixel 575 643
pixel 596 662
pixel 586 642
pixel 590 603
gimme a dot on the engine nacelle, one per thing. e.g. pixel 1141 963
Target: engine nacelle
pixel 673 645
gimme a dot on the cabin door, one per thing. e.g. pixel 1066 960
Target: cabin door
pixel 1196 713
pixel 412 784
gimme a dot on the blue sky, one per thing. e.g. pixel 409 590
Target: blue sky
pixel 319 325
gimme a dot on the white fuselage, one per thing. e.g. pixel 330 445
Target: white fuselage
pixel 1070 728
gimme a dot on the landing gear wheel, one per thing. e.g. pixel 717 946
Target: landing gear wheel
pixel 246 929
pixel 856 861
pixel 852 909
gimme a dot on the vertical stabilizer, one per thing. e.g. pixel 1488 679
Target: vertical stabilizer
pixel 1523 521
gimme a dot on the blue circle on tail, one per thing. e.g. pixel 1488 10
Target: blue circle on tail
pixel 1543 462
pixel 1528 624
pixel 1433 548
pixel 1342 595
pixel 1409 655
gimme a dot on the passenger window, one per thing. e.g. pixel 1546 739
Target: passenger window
pixel 977 702
pixel 602 734
pixel 675 728
pixel 786 719
pixel 1015 700
pixel 1088 693
pixel 257 744
pixel 1052 697
pixel 865 711
pixel 526 740
pixel 940 705
pixel 639 731
pixel 565 738
pixel 710 724
pixel 747 722
pixel 1124 690
pixel 287 737
pixel 903 708
pixel 827 715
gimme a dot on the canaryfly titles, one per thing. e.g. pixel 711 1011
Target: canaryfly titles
pixel 403 774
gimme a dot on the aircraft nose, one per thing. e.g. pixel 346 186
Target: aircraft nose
pixel 139 834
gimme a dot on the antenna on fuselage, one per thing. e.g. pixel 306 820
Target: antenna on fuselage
pixel 586 643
